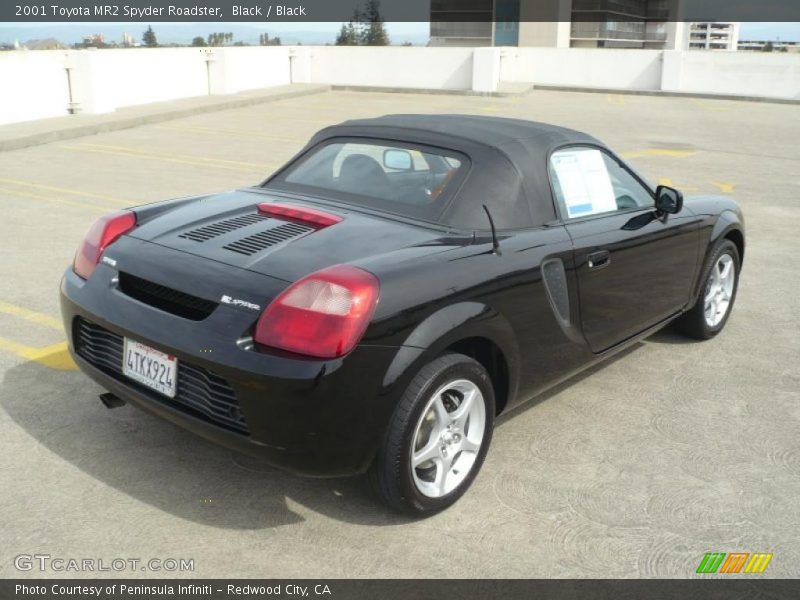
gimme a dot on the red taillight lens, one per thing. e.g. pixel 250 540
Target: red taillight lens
pixel 301 214
pixel 102 234
pixel 323 315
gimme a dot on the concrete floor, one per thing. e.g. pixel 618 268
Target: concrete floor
pixel 638 469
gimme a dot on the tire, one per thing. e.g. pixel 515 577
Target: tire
pixel 696 323
pixel 419 426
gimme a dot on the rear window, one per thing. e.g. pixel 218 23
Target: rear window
pixel 409 180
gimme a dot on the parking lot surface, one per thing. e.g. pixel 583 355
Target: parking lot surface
pixel 637 469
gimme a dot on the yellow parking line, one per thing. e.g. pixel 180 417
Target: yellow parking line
pixel 202 159
pixel 671 152
pixel 55 356
pixel 52 188
pixel 725 188
pixel 185 160
pixel 616 99
pixel 668 182
pixel 231 133
pixel 31 315
pixel 58 200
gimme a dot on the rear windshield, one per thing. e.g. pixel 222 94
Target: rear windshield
pixel 409 180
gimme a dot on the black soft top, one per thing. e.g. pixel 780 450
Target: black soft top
pixel 508 172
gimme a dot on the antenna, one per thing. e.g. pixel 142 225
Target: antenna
pixel 495 241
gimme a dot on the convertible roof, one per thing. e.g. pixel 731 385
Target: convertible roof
pixel 509 157
pixel 490 131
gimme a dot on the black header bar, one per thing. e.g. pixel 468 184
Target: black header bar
pixel 302 11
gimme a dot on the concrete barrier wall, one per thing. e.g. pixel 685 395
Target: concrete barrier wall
pixel 33 85
pixel 433 68
pixel 744 73
pixel 604 68
pixel 251 68
pixel 143 75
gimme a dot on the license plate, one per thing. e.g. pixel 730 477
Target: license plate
pixel 150 367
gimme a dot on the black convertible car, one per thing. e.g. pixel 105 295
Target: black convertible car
pixel 377 302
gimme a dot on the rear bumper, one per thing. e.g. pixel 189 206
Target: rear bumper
pixel 310 417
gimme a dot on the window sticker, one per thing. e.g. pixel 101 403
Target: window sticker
pixel 585 182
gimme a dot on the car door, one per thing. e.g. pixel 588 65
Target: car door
pixel 635 268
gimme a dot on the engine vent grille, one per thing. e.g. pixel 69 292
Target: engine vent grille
pixel 207 232
pixel 199 392
pixel 260 241
pixel 164 298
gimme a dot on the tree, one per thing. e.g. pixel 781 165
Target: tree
pixel 198 41
pixel 149 38
pixel 347 35
pixel 768 47
pixel 366 28
pixel 373 31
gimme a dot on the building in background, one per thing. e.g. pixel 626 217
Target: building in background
pixel 769 46
pixel 93 40
pixel 128 40
pixel 713 36
pixel 653 24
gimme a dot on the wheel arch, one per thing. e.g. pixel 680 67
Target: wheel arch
pixel 470 328
pixel 729 226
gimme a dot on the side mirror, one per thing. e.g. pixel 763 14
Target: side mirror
pixel 397 160
pixel 668 200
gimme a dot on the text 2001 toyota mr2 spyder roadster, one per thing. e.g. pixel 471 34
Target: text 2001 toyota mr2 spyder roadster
pixel 377 302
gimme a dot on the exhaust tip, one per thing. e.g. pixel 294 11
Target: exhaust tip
pixel 109 400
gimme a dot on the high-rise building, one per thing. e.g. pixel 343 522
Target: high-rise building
pixel 713 36
pixel 561 23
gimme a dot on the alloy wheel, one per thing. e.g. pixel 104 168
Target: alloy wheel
pixel 719 290
pixel 448 438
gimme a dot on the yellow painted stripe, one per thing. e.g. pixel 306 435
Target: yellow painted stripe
pixel 31 315
pixel 56 200
pixel 61 190
pixel 55 356
pixel 170 155
pixel 231 133
pixel 725 188
pixel 671 152
pixel 169 159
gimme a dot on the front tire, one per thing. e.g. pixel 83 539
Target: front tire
pixel 714 304
pixel 438 437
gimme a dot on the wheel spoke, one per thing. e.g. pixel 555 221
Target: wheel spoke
pixel 460 415
pixel 442 416
pixel 429 452
pixel 467 445
pixel 443 465
pixel 726 270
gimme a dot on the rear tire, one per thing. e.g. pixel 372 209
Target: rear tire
pixel 717 294
pixel 438 437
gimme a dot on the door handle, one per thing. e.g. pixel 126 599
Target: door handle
pixel 598 260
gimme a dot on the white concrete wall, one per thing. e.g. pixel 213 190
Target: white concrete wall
pixel 583 67
pixel 743 73
pixel 143 75
pixel 405 67
pixel 33 85
pixel 250 68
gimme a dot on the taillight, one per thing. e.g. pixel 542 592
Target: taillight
pixel 323 315
pixel 102 233
pixel 300 214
